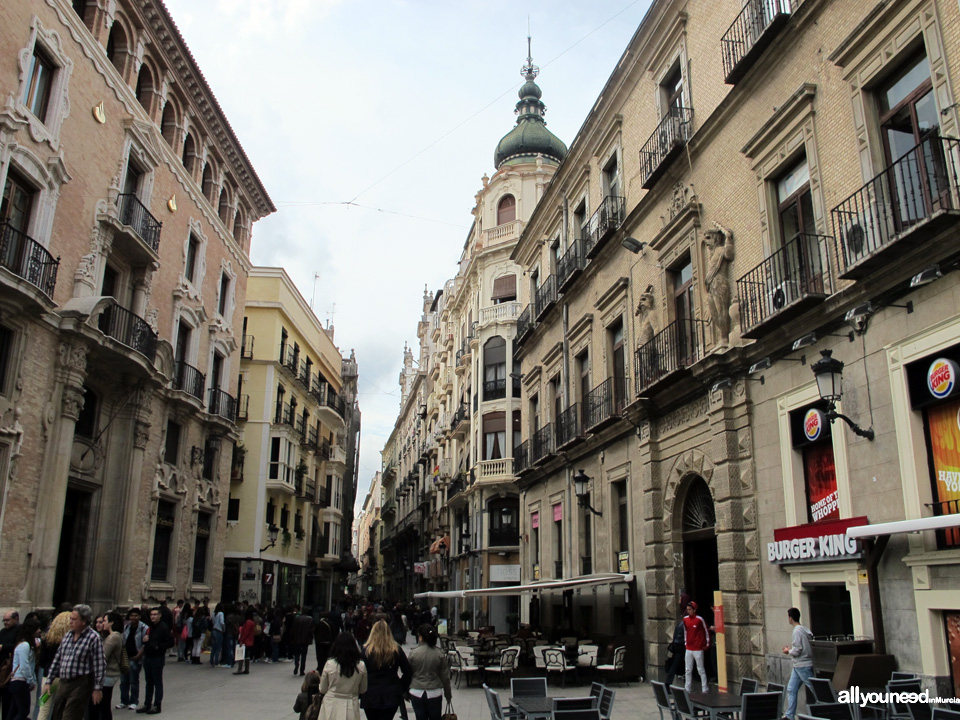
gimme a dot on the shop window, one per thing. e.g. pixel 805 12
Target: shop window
pixel 163 541
pixel 812 438
pixel 171 448
pixel 830 610
pixel 200 547
pixel 943 443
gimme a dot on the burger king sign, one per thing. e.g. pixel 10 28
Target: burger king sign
pixel 942 377
pixel 813 424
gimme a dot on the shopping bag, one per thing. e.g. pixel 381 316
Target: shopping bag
pixel 448 713
pixel 240 653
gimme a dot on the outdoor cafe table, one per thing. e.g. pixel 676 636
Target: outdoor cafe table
pixel 716 702
pixel 533 707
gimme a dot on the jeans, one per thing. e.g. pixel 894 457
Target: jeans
pixel 299 658
pixel 427 708
pixel 229 650
pixel 798 677
pixel 130 684
pixel 153 674
pixel 20 705
pixel 216 649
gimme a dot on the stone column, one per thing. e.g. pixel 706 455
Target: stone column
pixel 62 414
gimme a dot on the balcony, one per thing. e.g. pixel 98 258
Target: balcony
pixel 319 546
pixel 508 232
pixel 504 537
pixel 605 221
pixel 446 468
pixel 754 29
pixel 461 420
pixel 679 345
pixel 322 497
pixel 246 348
pixel 457 485
pixel 546 296
pixel 243 408
pixel 300 425
pixel 128 329
pixel 283 415
pixel 289 359
pixel 791 280
pixel 28 259
pixel 521 458
pixel 389 509
pixel 525 324
pixel 495 471
pixel 571 264
pixel 569 428
pixel 494 389
pixel 666 142
pixel 313 438
pixel 902 208
pixel 134 214
pixel 604 403
pixel 188 379
pixel 303 375
pixel 542 447
pixel 504 312
pixel 222 404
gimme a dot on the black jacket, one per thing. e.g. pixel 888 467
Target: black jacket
pixel 385 689
pixel 159 642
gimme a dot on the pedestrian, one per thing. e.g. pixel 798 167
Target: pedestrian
pixel 676 648
pixel 79 664
pixel 696 640
pixel 217 626
pixel 308 691
pixel 8 643
pixel 343 680
pixel 323 633
pixel 801 650
pixel 175 626
pixel 301 638
pixel 186 622
pixel 23 676
pixel 231 633
pixel 113 656
pixel 133 636
pixel 198 629
pixel 397 627
pixel 246 638
pixel 431 675
pixel 157 640
pixel 385 689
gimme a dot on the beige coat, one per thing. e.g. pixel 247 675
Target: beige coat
pixel 341 696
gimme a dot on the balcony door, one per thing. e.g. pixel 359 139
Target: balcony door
pixel 799 267
pixel 909 125
pixel 684 313
pixel 17 203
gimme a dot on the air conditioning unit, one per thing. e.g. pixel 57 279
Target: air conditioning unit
pixel 784 294
pixel 860 236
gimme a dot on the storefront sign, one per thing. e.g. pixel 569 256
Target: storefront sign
pixel 813 423
pixel 268 578
pixel 816 542
pixel 943 427
pixel 942 378
pixel 505 573
pixel 419 568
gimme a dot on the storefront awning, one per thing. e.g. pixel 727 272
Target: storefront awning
pixel 580 581
pixel 435 546
pixel 938 522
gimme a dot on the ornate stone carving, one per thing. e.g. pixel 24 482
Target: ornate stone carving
pixel 141 435
pixel 71 402
pixel 683 415
pixel 681 198
pixel 14 430
pixel 73 356
pixel 645 312
pixel 718 252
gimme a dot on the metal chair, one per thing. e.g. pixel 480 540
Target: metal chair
pixel 682 707
pixel 899 710
pixel 616 667
pixel 900 675
pixel 575 703
pixel 944 714
pixel 760 706
pixel 528 687
pixel 777 687
pixel 920 711
pixel 606 703
pixel 493 702
pixel 822 690
pixel 831 711
pixel 577 715
pixel 538 651
pixel 749 685
pixel 596 688
pixel 664 703
pixel 588 655
pixel 556 662
pixel 507 665
pixel 461 665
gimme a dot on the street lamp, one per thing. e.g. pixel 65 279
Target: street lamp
pixel 273 532
pixel 829 374
pixel 580 482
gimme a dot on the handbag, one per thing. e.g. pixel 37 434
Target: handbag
pixel 448 713
pixel 6 670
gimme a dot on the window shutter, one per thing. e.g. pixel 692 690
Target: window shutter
pixel 504 287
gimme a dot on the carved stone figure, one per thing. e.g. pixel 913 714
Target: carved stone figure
pixel 645 311
pixel 718 251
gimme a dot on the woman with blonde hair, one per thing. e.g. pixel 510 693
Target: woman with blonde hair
pixel 385 689
pixel 45 653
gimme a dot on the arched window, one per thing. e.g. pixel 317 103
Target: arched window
pixel 117 46
pixel 144 87
pixel 223 206
pixel 238 225
pixel 207 183
pixel 506 210
pixel 189 153
pixel 168 124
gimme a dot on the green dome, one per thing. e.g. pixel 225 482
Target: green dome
pixel 530 89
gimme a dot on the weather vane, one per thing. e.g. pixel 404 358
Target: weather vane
pixel 529 71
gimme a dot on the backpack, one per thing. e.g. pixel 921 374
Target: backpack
pixel 313 712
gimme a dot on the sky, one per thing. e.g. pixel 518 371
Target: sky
pixel 371 124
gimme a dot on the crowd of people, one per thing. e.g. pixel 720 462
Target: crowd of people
pixel 69 664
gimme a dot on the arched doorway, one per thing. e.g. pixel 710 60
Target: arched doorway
pixel 701 571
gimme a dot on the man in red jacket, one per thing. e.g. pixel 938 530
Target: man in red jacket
pixel 696 639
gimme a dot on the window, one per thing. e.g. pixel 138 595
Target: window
pixel 494 435
pixel 504 515
pixel 117 48
pixel 144 87
pixel 110 285
pixel 6 357
pixel 206 183
pixel 182 350
pixel 812 438
pixel 189 157
pixel 37 93
pixel 216 370
pixel 284 517
pixel 162 541
pixel 224 292
pixel 623 519
pixel 16 206
pixel 671 90
pixel 134 178
pixel 211 458
pixel 171 448
pixel 611 177
pixel 618 369
pixel 504 289
pixel 556 392
pixel 534 413
pixel 794 202
pixel 233 510
pixel 943 439
pixel 298 523
pixel 190 267
pixel 495 368
pixel 684 312
pixel 580 220
pixel 586 559
pixel 535 540
pixel 583 372
pixel 86 426
pixel 271 512
pixel 506 210
pixel 200 548
pixel 168 124
pixel 558 540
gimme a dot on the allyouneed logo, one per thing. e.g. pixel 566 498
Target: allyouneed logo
pixel 855 697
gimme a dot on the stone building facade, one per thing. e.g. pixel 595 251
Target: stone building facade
pixel 127 210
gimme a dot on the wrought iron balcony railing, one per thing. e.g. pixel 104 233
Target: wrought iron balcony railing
pixel 521 457
pixel 679 345
pixel 542 445
pixel 28 259
pixel 525 323
pixel 571 263
pixel 604 222
pixel 568 426
pixel 246 348
pixel 668 139
pixel 749 35
pixel 134 214
pixel 907 195
pixel 223 404
pixel 284 414
pixel 494 389
pixel 188 379
pixel 504 536
pixel 604 403
pixel 129 329
pixel 546 296
pixel 797 272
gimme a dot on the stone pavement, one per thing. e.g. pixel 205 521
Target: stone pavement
pixel 269 691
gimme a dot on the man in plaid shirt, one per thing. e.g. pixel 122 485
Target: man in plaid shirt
pixel 80 664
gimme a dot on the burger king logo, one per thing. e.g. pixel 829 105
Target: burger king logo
pixel 942 377
pixel 813 423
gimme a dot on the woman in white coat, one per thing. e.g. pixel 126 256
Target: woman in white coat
pixel 343 679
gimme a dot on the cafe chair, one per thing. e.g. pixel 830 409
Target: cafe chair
pixel 460 665
pixel 577 715
pixel 538 660
pixel 682 707
pixel 616 667
pixel 899 710
pixel 596 688
pixel 920 711
pixel 605 704
pixel 944 714
pixel 831 711
pixel 588 655
pixel 497 711
pixel 778 688
pixel 822 690
pixel 587 702
pixel 528 687
pixel 900 675
pixel 760 706
pixel 664 703
pixel 749 685
pixel 556 662
pixel 507 665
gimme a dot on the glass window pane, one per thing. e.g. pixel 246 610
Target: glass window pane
pixel 928 118
pixel 793 180
pixel 904 83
